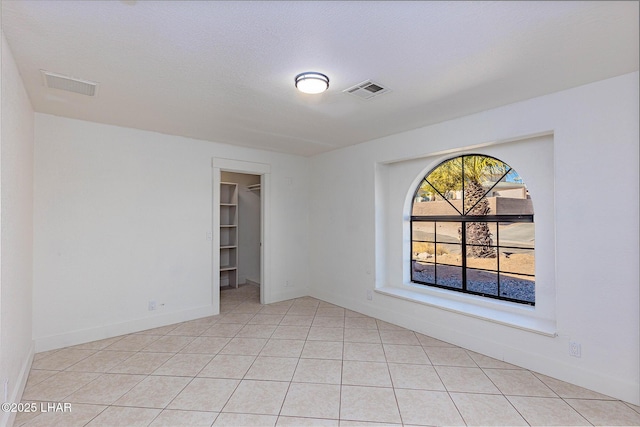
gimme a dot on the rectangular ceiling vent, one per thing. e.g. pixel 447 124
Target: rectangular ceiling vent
pixel 366 90
pixel 70 84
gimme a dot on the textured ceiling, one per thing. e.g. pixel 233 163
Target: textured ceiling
pixel 223 71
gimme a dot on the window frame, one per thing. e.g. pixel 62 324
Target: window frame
pixel 463 220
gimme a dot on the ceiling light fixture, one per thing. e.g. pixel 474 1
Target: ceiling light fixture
pixel 312 82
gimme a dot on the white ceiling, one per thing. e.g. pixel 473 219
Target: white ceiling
pixel 223 71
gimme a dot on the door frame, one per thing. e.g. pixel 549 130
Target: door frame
pixel 252 168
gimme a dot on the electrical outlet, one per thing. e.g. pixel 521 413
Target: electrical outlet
pixel 575 349
pixel 370 295
pixel 152 305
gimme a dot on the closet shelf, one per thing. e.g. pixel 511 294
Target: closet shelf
pixel 228 210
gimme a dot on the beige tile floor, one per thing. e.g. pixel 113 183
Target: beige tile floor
pixel 302 362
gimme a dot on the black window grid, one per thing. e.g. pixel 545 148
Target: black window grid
pixel 463 220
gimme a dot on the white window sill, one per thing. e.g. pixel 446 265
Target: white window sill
pixel 510 315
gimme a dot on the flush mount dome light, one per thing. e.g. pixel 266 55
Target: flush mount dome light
pixel 312 82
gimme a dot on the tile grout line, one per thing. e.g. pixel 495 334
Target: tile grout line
pixel 395 395
pixel 449 394
pixel 230 308
pixel 284 399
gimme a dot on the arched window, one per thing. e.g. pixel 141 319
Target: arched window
pixel 472 230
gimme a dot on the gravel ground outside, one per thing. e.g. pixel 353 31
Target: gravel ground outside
pixel 513 286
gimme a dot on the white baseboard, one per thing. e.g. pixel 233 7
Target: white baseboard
pixel 82 336
pixel 623 389
pixel 287 295
pixel 7 418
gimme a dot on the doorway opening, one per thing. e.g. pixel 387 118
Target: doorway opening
pixel 246 256
pixel 240 230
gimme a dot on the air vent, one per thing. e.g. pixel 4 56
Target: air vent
pixel 366 90
pixel 70 84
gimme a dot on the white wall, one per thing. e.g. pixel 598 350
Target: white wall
pixel 122 217
pixel 595 228
pixel 16 232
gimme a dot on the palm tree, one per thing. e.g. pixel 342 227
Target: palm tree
pixel 478 233
pixel 467 173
